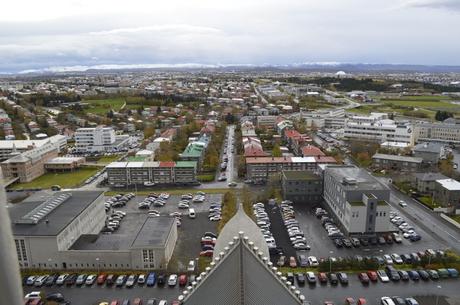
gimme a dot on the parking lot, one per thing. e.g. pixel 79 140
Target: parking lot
pixel 424 291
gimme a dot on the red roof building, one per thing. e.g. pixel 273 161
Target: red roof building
pixel 312 151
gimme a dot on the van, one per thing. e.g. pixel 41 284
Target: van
pixel 191 213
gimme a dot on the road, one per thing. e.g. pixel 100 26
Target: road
pixel 432 223
pixel 314 294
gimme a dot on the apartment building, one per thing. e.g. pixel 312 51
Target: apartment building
pixel 30 164
pixel 430 152
pixel 63 164
pixel 444 132
pixel 267 121
pixel 302 187
pixel 260 168
pixel 377 127
pixel 447 193
pixel 357 200
pixel 9 146
pixel 99 139
pixel 138 173
pixel 397 163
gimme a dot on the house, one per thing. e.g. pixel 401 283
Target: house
pixel 430 152
pixel 447 193
pixel 425 182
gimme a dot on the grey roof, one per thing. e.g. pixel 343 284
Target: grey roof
pixel 138 230
pixel 398 158
pixel 429 147
pixel 363 180
pixel 429 176
pixel 241 222
pixel 58 218
pixel 240 276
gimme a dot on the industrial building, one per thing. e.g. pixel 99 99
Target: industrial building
pixel 62 231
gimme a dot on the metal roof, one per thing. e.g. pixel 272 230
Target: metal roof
pixel 241 275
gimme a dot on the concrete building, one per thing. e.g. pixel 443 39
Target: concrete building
pixel 99 139
pixel 443 132
pixel 447 193
pixel 357 200
pixel 377 127
pixel 62 164
pixel 62 231
pixel 267 121
pixel 9 146
pixel 430 152
pixel 30 164
pixel 396 163
pixel 425 182
pixel 302 187
pixel 132 173
pixel 261 168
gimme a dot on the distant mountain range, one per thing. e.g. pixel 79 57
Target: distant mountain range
pixel 297 67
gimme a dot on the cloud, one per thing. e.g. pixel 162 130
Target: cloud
pixel 437 4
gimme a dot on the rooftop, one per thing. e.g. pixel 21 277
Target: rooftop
pixel 138 230
pixel 58 218
pixel 360 178
pixel 450 184
pixel 397 158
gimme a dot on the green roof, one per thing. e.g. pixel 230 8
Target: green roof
pixel 356 203
pixel 185 164
pixel 300 175
pixel 193 150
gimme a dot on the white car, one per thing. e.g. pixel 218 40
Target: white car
pixel 388 259
pixel 61 278
pixel 215 218
pixel 396 258
pixel 172 280
pixel 312 261
pixel 33 295
pixel 387 301
pixel 183 206
pixel 402 204
pixel 191 266
pixel 383 276
pixel 90 279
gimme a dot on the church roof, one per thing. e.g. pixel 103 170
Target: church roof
pixel 241 275
pixel 241 222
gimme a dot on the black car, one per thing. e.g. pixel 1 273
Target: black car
pixel 403 275
pixel 392 273
pixel 373 241
pixel 423 274
pixel 51 279
pixel 364 242
pixel 343 278
pixel 414 275
pixel 333 279
pixel 399 301
pixel 406 258
pixel 56 297
pixel 338 243
pixel 300 278
pixel 290 277
pixel 161 279
pixel 71 279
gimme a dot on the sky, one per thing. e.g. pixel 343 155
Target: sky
pixel 55 35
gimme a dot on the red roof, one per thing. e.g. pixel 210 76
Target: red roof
pixel 312 151
pixel 167 163
pixel 325 159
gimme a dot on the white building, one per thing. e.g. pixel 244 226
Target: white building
pixel 99 139
pixel 19 146
pixel 377 127
pixel 357 200
pixel 445 132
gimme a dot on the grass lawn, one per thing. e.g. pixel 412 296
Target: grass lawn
pixel 456 218
pixel 107 159
pixel 426 104
pixel 65 180
pixel 428 201
pixel 101 107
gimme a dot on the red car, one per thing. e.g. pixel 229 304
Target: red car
pixel 362 301
pixel 101 278
pixel 322 277
pixel 208 253
pixel 182 280
pixel 175 302
pixel 372 275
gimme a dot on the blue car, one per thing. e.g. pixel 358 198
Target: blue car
pixel 452 272
pixel 414 275
pixel 151 279
pixel 415 238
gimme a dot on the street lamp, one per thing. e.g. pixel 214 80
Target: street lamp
pixel 330 261
pixel 437 295
pixel 49 262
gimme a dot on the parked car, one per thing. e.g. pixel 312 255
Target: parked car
pixel 343 278
pixel 151 279
pixel 172 280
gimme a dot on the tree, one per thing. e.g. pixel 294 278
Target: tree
pixel 110 113
pixel 149 130
pixel 276 151
pixel 442 115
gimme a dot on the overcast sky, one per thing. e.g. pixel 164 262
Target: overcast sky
pixel 67 33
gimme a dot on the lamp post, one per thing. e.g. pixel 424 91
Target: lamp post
pixel 437 295
pixel 330 261
pixel 49 262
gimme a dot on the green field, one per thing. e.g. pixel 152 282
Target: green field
pixel 103 106
pixel 412 106
pixel 65 180
pixel 108 159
